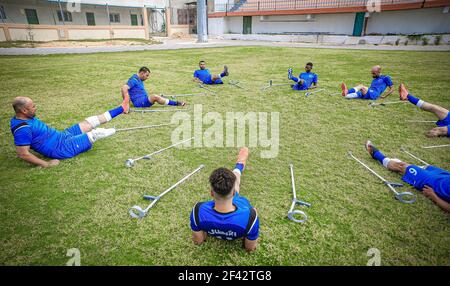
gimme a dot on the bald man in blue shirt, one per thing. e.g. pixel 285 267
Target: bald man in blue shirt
pixel 379 84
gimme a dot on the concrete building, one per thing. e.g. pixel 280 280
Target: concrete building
pixel 329 17
pixel 47 20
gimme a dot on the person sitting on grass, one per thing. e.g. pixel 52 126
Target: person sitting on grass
pixel 31 133
pixel 306 80
pixel 432 181
pixel 134 90
pixel 442 114
pixel 228 216
pixel 203 75
pixel 376 89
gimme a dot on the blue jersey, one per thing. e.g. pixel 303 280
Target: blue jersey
pixel 137 91
pixel 308 79
pixel 34 133
pixel 436 178
pixel 243 222
pixel 203 75
pixel 379 84
pixel 49 141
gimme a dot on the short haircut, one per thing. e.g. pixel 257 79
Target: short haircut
pixel 310 64
pixel 144 69
pixel 222 181
pixel 201 62
pixel 19 102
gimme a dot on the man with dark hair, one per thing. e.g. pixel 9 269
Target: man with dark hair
pixel 379 84
pixel 134 90
pixel 443 115
pixel 306 80
pixel 229 216
pixel 203 75
pixel 31 133
pixel 432 181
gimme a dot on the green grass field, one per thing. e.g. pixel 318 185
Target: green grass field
pixel 83 203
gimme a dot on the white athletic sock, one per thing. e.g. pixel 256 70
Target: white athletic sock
pixel 237 171
pixel 166 102
pixel 420 103
pixel 107 115
pixel 351 95
pixel 387 160
pixel 93 121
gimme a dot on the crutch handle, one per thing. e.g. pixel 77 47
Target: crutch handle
pixel 393 184
pixel 150 198
pixel 301 203
pixel 137 212
pixel 292 214
pixel 400 196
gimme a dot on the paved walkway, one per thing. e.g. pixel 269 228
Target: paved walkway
pixel 174 44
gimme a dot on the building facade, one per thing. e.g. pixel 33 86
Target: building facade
pixel 329 17
pixel 48 20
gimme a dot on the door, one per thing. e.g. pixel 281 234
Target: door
pixel 32 17
pixel 90 19
pixel 247 25
pixel 134 21
pixel 359 24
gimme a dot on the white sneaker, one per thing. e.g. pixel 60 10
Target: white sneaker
pixel 100 133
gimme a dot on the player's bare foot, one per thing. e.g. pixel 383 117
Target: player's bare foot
pixel 344 89
pixel 126 105
pixel 403 92
pixel 370 147
pixel 242 156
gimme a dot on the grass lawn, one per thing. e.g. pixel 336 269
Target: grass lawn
pixel 83 203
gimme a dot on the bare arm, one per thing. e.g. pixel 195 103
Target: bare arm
pixel 250 245
pixel 23 152
pixel 124 91
pixel 197 80
pixel 198 237
pixel 429 192
pixel 389 92
pixel 314 85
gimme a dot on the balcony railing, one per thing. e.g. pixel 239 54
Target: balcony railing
pixel 272 5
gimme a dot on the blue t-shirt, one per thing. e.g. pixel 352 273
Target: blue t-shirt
pixel 203 75
pixel 36 134
pixel 309 78
pixel 227 226
pixel 137 90
pixel 380 84
pixel 434 177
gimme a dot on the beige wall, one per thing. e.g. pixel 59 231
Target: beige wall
pixel 184 29
pixel 36 34
pixel 129 33
pixel 80 34
pixel 2 35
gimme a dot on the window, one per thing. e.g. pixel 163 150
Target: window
pixel 134 20
pixel 32 17
pixel 2 13
pixel 90 18
pixel 67 16
pixel 114 18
